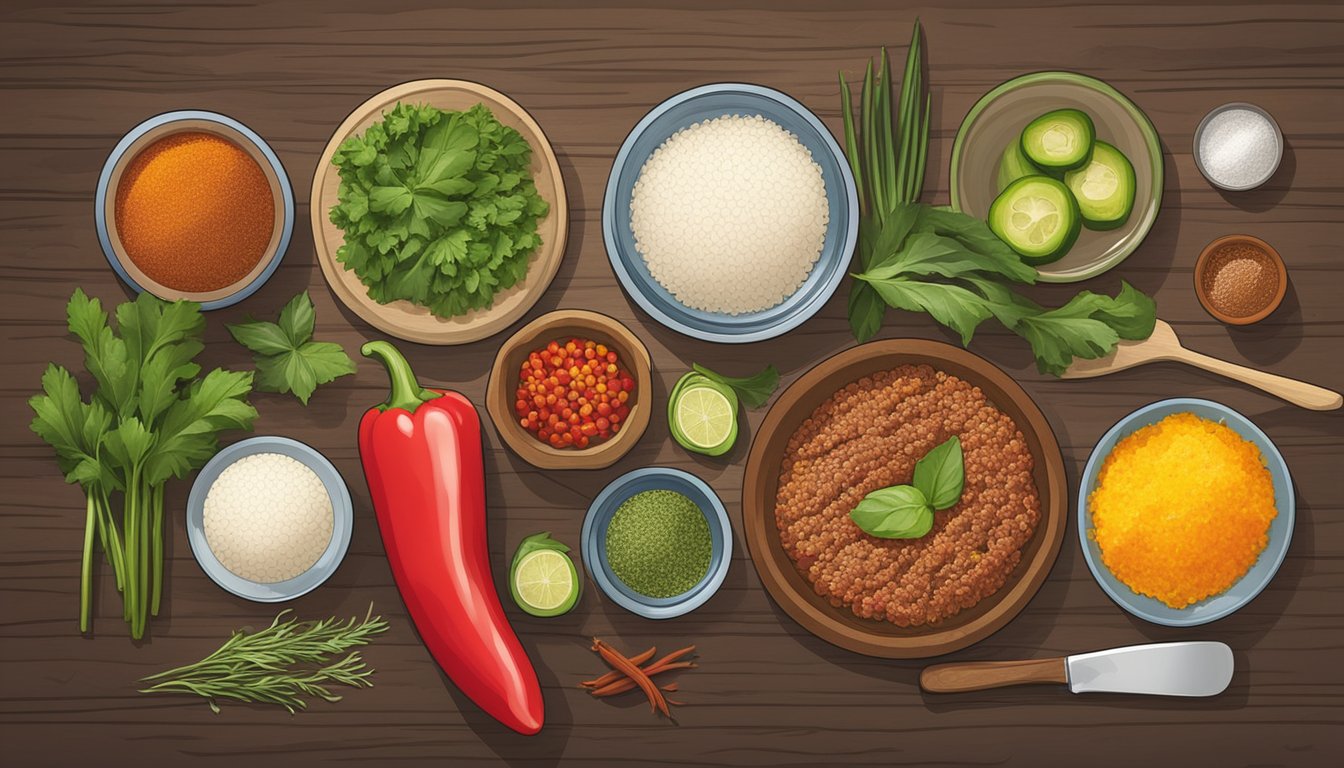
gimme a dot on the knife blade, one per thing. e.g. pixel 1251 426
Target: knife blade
pixel 1195 668
pixel 1164 669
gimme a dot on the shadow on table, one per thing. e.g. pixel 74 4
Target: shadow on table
pixel 1263 344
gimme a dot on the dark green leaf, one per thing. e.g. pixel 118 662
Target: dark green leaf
pixel 953 306
pixel 866 311
pixel 940 475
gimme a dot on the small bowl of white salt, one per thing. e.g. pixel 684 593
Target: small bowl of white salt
pixel 269 519
pixel 1238 146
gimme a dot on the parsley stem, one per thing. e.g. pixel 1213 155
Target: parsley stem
pixel 86 563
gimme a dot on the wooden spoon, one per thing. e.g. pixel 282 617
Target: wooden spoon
pixel 1163 345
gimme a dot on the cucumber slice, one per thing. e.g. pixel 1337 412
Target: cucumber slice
pixel 1013 165
pixel 1060 140
pixel 1104 187
pixel 1038 217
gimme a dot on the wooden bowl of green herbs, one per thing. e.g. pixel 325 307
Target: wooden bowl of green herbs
pixel 424 247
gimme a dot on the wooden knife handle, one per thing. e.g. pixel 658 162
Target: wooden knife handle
pixel 979 675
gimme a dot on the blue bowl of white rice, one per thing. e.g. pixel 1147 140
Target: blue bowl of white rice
pixel 731 213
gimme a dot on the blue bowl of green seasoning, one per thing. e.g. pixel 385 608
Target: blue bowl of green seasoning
pixel 657 542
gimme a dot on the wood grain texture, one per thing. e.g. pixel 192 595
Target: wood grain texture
pixel 75 76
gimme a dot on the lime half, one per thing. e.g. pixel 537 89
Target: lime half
pixel 704 417
pixel 545 583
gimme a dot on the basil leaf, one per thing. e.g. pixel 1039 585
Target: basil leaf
pixel 866 311
pixel 941 474
pixel 895 512
pixel 753 390
pixel 297 319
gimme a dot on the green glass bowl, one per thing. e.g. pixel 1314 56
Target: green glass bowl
pixel 999 117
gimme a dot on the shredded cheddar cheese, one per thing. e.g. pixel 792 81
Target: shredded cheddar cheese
pixel 1182 509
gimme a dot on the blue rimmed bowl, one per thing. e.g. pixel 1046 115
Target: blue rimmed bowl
pixel 594 540
pixel 162 126
pixel 327 562
pixel 1260 574
pixel 682 111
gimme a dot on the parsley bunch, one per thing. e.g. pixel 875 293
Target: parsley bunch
pixel 438 208
pixel 151 417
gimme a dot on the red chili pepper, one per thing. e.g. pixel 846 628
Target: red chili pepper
pixel 421 452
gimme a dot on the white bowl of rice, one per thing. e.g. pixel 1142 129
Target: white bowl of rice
pixel 730 213
pixel 269 519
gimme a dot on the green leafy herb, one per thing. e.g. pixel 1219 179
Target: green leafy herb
pixel 438 208
pixel 280 664
pixel 941 474
pixel 906 511
pixel 753 390
pixel 897 512
pixel 287 358
pixel 149 419
pixel 943 263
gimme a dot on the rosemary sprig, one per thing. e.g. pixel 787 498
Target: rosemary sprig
pixel 280 664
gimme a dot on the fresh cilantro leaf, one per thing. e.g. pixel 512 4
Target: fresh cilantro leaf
pixel 287 358
pixel 438 208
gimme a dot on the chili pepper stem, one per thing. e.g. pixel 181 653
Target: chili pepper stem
pixel 407 394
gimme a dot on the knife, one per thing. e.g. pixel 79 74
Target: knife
pixel 1163 669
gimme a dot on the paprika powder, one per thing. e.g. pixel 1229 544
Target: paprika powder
pixel 194 212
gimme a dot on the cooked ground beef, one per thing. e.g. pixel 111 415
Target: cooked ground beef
pixel 869 435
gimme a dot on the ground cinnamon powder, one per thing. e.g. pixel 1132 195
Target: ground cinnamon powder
pixel 194 212
pixel 1240 279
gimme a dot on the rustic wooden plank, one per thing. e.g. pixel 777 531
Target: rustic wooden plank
pixel 75 76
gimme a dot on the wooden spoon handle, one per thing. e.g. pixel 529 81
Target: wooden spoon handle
pixel 1296 392
pixel 979 675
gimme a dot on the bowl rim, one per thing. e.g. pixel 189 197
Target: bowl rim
pixel 1202 263
pixel 498 401
pixel 662 608
pixel 331 557
pixel 1199 135
pixel 831 623
pixel 1133 603
pixel 630 282
pixel 1146 127
pixel 285 202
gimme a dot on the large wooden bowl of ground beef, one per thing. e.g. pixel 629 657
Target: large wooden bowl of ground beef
pixel 858 422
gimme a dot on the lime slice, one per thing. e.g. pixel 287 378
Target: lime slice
pixel 705 417
pixel 545 583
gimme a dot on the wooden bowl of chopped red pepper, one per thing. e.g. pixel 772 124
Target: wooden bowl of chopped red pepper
pixel 567 391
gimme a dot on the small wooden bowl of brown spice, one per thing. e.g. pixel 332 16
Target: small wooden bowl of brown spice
pixel 1240 279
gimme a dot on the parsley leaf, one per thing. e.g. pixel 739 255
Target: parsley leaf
pixel 287 358
pixel 438 209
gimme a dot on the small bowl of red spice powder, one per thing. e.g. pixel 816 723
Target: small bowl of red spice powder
pixel 1240 279
pixel 194 205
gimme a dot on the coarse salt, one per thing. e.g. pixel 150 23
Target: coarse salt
pixel 730 214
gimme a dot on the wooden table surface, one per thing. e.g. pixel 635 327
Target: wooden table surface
pixel 76 76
